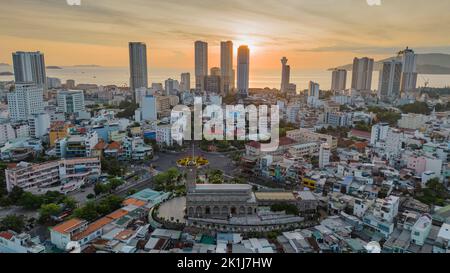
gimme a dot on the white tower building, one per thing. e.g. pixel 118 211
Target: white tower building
pixel 26 100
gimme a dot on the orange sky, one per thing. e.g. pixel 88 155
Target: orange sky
pixel 311 34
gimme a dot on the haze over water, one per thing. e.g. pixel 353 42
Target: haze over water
pixel 259 78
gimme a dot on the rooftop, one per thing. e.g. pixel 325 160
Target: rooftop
pixel 284 196
pixel 306 195
pixel 6 235
pixel 147 195
pixel 223 187
pixel 135 202
pixel 69 225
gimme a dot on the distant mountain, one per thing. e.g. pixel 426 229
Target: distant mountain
pixel 53 67
pixel 433 64
pixel 6 73
pixel 4 64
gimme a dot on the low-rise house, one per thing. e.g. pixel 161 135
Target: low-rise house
pixel 12 242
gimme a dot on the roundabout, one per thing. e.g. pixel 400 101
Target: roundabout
pixel 196 161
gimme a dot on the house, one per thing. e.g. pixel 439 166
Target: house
pixel 62 234
pixel 12 242
pixel 253 148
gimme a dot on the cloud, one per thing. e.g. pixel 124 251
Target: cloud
pixel 282 25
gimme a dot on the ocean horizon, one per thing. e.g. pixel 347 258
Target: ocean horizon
pixel 259 78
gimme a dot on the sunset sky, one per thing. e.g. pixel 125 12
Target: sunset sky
pixel 310 33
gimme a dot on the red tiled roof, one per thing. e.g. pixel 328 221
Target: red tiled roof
pixel 6 235
pixel 360 133
pixel 92 228
pixel 124 234
pixel 360 145
pixel 100 145
pixel 286 141
pixel 283 142
pixel 66 226
pixel 114 145
pixel 135 202
pixel 57 124
pixel 117 214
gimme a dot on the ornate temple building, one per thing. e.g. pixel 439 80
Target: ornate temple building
pixel 230 207
pixel 218 201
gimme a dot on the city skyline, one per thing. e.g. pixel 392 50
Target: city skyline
pixel 97 32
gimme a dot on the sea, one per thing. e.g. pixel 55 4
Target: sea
pixel 259 78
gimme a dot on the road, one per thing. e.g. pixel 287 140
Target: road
pixel 216 161
pixel 145 182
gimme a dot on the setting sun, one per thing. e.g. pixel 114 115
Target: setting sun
pixel 252 45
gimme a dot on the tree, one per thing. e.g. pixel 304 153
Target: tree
pixel 416 108
pixel 363 126
pixel 216 177
pixel 129 109
pixel 100 188
pixel 12 222
pixel 70 203
pixel 15 194
pixel 53 197
pixel 115 183
pixel 288 208
pixel 3 190
pixel 87 212
pixel 113 167
pixel 30 201
pixel 47 211
pixel 110 204
pixel 434 194
pixel 173 173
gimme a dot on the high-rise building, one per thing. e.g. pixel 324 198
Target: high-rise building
pixel 379 133
pixel 26 100
pixel 226 66
pixel 138 66
pixel 53 83
pixel 362 74
pixel 213 84
pixel 314 90
pixel 389 80
pixel 324 155
pixel 39 125
pixel 29 67
pixel 139 94
pixel 215 71
pixel 285 75
pixel 149 108
pixel 71 101
pixel 201 65
pixel 70 84
pixel 338 80
pixel 409 72
pixel 243 70
pixel 185 84
pixel 171 87
pixel 157 87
